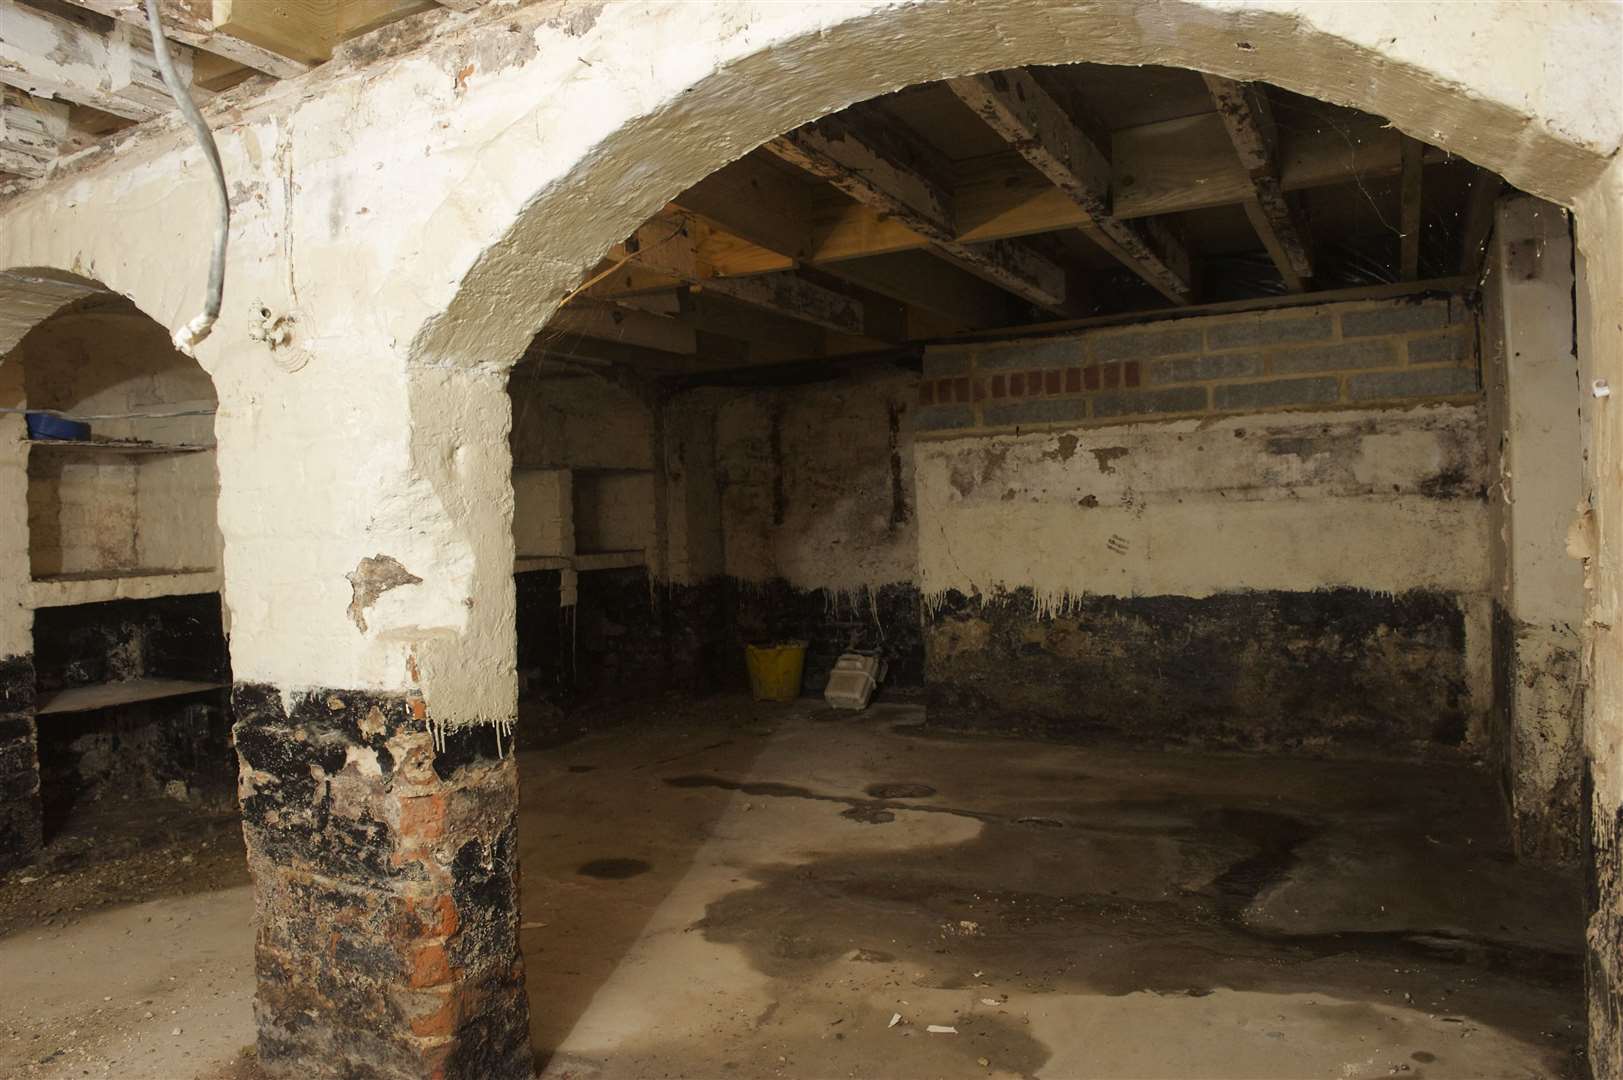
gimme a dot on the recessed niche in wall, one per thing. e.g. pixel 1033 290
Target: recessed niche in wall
pixel 582 519
pixel 129 512
pixel 614 513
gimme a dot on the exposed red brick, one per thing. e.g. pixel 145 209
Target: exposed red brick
pixel 430 967
pixel 442 1021
pixel 1073 380
pixel 434 916
pixel 422 817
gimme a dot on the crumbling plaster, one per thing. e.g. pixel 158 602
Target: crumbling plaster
pixel 420 226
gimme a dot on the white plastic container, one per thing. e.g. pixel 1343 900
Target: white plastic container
pixel 852 682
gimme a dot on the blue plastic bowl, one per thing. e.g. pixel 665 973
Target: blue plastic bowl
pixel 46 426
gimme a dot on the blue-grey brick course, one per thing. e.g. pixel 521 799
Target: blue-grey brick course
pixel 1262 395
pixel 1236 365
pixel 1439 349
pixel 943 417
pixel 1348 354
pixel 1261 331
pixel 1036 412
pixel 1397 319
pixel 1414 382
pixel 1060 352
pixel 1148 402
pixel 1145 344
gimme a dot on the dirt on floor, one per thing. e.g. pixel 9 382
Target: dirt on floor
pixel 724 889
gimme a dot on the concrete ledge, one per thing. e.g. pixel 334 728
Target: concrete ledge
pixel 62 590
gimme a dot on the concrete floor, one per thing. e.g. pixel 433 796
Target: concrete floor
pixel 757 892
pixel 762 900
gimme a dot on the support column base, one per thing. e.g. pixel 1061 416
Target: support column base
pixel 21 835
pixel 386 890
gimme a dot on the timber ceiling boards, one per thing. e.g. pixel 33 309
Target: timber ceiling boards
pixel 77 71
pixel 1017 198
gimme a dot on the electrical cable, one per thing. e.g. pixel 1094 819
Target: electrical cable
pixel 195 331
pixel 110 416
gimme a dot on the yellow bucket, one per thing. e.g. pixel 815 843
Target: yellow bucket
pixel 775 670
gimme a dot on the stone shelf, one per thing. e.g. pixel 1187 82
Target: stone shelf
pixel 127 692
pixel 581 562
pixel 94 587
pixel 118 446
pixel 609 560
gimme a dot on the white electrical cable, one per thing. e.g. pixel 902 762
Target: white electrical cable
pixel 111 416
pixel 198 329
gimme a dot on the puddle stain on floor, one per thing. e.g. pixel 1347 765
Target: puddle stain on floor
pixel 1153 876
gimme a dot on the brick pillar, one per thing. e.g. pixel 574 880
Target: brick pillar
pixel 19 765
pixel 386 889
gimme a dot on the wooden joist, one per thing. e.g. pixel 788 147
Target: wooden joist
pixel 1248 119
pixel 671 248
pixel 757 202
pixel 1156 169
pixel 32 131
pixel 770 218
pixel 1478 226
pixel 611 322
pixel 1409 211
pixel 1021 112
pixel 709 313
pixel 933 285
pixel 184 21
pixel 301 30
pixel 889 177
pixel 48 55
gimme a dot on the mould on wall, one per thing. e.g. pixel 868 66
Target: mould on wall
pixel 20 820
pixel 1267 669
pixel 407 841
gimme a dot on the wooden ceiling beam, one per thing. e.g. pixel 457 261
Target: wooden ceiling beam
pixel 612 322
pixel 1478 225
pixel 768 216
pixel 1156 169
pixel 716 314
pixel 1023 114
pixel 885 174
pixel 301 30
pixel 184 21
pixel 1247 116
pixel 32 131
pixel 50 55
pixel 933 285
pixel 1409 210
pixel 672 247
pixel 757 202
